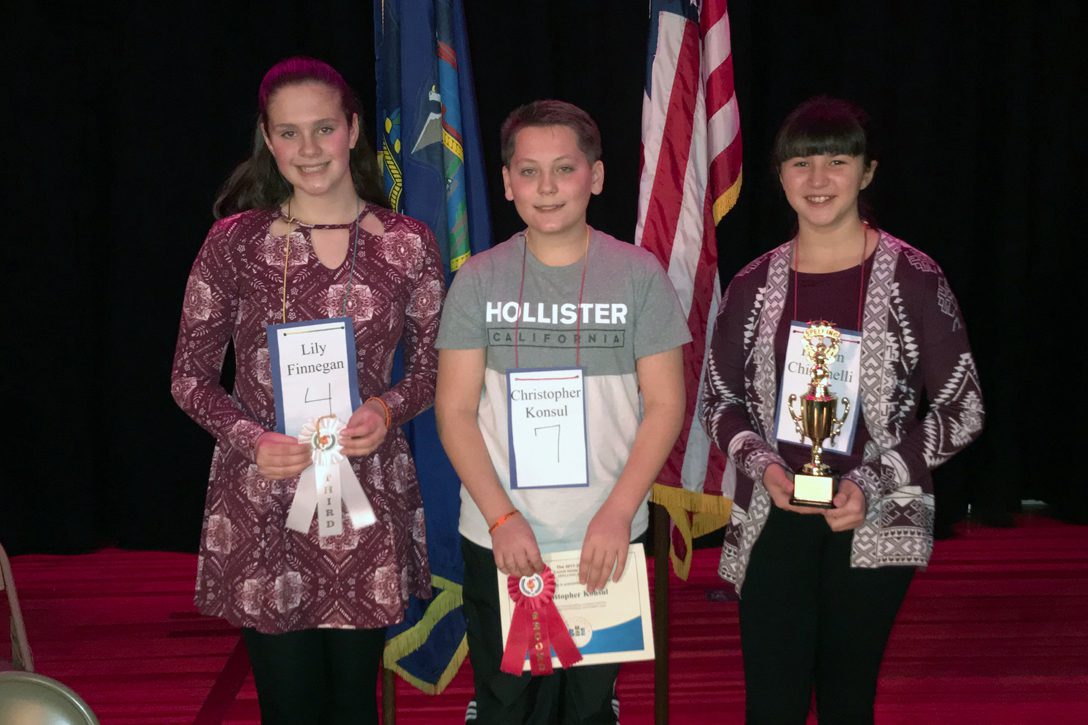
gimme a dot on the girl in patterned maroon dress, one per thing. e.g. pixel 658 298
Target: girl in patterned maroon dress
pixel 820 588
pixel 304 233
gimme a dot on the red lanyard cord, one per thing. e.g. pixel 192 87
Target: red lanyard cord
pixel 578 316
pixel 861 279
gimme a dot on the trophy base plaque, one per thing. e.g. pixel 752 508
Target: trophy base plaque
pixel 813 491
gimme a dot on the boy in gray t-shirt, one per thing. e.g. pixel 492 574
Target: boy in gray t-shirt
pixel 562 297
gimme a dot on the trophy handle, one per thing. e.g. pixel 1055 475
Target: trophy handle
pixel 836 427
pixel 796 417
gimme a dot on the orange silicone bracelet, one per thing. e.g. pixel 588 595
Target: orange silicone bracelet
pixel 502 520
pixel 388 415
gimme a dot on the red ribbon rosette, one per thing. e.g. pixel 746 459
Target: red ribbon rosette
pixel 536 627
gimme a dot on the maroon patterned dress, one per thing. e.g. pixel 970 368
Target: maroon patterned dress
pixel 252 570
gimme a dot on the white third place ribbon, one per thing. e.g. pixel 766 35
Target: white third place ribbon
pixel 328 484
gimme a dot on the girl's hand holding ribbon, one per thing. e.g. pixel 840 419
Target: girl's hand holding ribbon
pixel 281 456
pixel 366 430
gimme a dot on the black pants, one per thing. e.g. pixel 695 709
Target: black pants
pixel 319 676
pixel 809 621
pixel 577 695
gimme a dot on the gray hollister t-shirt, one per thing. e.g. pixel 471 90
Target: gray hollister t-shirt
pixel 629 310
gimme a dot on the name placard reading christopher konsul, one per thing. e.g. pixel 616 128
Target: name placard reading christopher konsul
pixel 313 371
pixel 547 416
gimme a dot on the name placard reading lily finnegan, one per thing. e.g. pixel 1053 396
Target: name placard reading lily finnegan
pixel 313 371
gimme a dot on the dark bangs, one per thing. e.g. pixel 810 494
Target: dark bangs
pixel 824 126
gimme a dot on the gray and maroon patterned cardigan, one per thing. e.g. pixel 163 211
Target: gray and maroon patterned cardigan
pixel 913 340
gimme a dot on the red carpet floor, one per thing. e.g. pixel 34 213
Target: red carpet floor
pixel 994 632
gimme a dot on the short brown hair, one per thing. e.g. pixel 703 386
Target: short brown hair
pixel 550 112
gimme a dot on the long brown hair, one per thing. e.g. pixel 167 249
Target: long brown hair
pixel 256 183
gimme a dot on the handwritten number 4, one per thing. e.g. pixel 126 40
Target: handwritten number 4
pixel 328 397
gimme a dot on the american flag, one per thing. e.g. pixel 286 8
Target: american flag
pixel 691 177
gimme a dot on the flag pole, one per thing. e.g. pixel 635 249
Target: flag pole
pixel 690 143
pixel 389 696
pixel 661 614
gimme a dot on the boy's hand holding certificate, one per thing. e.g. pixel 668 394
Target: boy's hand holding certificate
pixel 609 625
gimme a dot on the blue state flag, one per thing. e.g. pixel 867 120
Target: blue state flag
pixel 432 165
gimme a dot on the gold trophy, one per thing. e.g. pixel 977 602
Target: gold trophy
pixel 815 485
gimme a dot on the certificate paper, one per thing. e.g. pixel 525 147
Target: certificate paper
pixel 547 422
pixel 611 625
pixel 845 372
pixel 313 371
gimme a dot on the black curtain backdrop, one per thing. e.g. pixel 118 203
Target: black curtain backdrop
pixel 128 116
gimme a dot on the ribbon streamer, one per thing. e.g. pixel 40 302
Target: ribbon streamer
pixel 328 484
pixel 536 627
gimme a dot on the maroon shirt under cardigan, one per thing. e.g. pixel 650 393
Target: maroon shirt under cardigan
pixel 913 342
pixel 832 297
pixel 252 571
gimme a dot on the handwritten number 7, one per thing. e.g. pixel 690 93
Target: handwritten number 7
pixel 536 432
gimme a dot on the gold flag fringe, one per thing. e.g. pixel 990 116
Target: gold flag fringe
pixel 413 638
pixel 708 513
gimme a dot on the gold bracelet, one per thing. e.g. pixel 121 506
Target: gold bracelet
pixel 388 415
pixel 502 520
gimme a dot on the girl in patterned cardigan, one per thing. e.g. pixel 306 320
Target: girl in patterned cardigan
pixel 820 588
